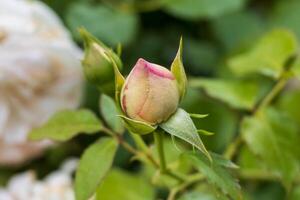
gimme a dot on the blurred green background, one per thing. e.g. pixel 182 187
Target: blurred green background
pixel 213 31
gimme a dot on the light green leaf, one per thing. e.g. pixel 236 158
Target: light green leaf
pixel 274 137
pixel 178 71
pixel 109 112
pixel 93 166
pixel 121 185
pixel 195 9
pixel 181 125
pixel 216 173
pixel 104 22
pixel 137 127
pixel 66 124
pixel 240 94
pixel 268 55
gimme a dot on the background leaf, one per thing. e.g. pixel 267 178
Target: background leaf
pixel 274 137
pixel 93 166
pixel 124 186
pixel 268 56
pixel 236 93
pixel 216 173
pixel 181 125
pixel 193 9
pixel 106 23
pixel 66 124
pixel 110 113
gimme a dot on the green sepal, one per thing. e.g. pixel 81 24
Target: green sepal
pixel 205 132
pixel 198 116
pixel 177 69
pixel 137 127
pixel 119 82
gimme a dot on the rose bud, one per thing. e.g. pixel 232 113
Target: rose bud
pixel 98 60
pixel 150 93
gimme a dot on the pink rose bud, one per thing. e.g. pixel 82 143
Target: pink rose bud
pixel 150 93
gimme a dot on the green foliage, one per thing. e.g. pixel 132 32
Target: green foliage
pixel 193 9
pixel 241 94
pixel 274 137
pixel 285 14
pixel 181 125
pixel 119 184
pixel 235 51
pixel 93 166
pixel 66 124
pixel 104 22
pixel 216 172
pixel 250 26
pixel 268 55
pixel 110 113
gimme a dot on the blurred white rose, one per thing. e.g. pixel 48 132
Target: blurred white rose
pixel 56 186
pixel 40 74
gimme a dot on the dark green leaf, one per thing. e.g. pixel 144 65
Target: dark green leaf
pixel 216 173
pixel 109 112
pixel 194 9
pixel 181 125
pixel 250 27
pixel 93 166
pixel 286 14
pixel 66 124
pixel 103 22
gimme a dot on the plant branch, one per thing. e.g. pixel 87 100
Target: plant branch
pixel 158 139
pixel 180 188
pixel 233 147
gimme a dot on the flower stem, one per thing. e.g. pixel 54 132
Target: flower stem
pixel 158 139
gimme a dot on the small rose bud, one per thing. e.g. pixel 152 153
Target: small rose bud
pixel 150 93
pixel 98 60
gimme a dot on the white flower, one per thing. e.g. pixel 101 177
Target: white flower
pixel 40 74
pixel 56 186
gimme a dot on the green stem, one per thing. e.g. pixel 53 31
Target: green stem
pixel 159 143
pixel 233 147
pixel 158 139
pixel 139 142
pixel 180 188
pixel 273 93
